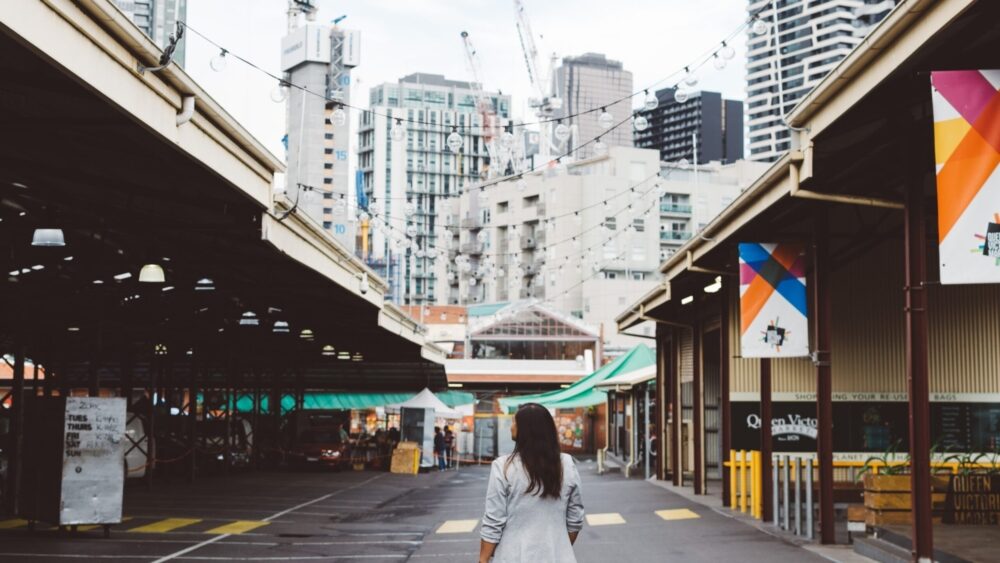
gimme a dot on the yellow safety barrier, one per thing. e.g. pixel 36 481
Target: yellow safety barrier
pixel 745 485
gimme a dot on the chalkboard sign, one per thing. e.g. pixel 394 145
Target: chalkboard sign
pixel 973 499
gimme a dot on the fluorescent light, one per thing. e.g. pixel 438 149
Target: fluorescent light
pixel 329 350
pixel 168 288
pixel 73 329
pixel 455 385
pixel 688 299
pixel 204 284
pixel 343 355
pixel 249 318
pixel 14 272
pixel 123 276
pixel 37 267
pixel 715 286
pixel 280 327
pixel 98 282
pixel 68 258
pixel 25 270
pixel 306 334
pixel 19 185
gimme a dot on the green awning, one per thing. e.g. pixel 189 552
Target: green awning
pixel 351 401
pixel 582 393
pixel 455 398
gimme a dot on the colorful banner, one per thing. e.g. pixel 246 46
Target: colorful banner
pixel 773 319
pixel 967 151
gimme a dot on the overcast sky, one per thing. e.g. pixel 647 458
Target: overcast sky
pixel 653 38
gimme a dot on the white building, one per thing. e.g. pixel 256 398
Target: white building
pixel 551 235
pixel 811 37
pixel 693 196
pixel 413 173
pixel 591 81
pixel 158 19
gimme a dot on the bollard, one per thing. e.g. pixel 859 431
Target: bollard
pixel 809 500
pixel 732 479
pixel 774 491
pixel 784 486
pixel 797 505
pixel 743 481
pixel 758 506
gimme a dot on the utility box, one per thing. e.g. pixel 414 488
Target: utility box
pixel 74 472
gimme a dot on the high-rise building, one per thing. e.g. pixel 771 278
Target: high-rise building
pixel 319 58
pixel 592 81
pixel 705 118
pixel 415 176
pixel 158 19
pixel 801 42
pixel 594 222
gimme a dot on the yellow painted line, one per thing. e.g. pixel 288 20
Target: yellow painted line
pixel 89 527
pixel 166 525
pixel 238 527
pixel 457 526
pixel 677 514
pixel 15 523
pixel 606 519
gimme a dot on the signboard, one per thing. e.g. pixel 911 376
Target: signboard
pixel 309 43
pixel 973 499
pixel 351 50
pixel 967 152
pixel 93 471
pixel 773 319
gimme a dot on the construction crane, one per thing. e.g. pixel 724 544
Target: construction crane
pixel 300 7
pixel 485 108
pixel 544 103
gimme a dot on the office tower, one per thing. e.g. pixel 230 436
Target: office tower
pixel 409 170
pixel 592 81
pixel 319 58
pixel 811 38
pixel 705 118
pixel 158 19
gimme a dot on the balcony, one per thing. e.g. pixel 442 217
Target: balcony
pixel 675 208
pixel 471 223
pixel 528 242
pixel 675 235
pixel 474 248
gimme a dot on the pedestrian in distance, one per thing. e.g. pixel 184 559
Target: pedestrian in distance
pixel 449 447
pixel 439 448
pixel 533 506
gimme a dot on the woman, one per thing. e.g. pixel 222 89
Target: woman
pixel 533 507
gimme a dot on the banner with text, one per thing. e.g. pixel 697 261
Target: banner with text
pixel 967 152
pixel 773 319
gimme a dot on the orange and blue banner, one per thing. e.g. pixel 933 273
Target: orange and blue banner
pixel 774 321
pixel 967 151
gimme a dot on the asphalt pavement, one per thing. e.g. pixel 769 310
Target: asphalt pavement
pixel 371 516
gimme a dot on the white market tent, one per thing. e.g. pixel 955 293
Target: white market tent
pixel 627 380
pixel 427 400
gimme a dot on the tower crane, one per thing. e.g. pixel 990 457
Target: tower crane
pixel 544 103
pixel 484 106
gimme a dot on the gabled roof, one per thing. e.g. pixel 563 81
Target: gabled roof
pixel 530 320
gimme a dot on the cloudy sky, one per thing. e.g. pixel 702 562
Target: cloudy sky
pixel 653 38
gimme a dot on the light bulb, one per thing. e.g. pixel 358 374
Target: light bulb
pixel 650 102
pixel 218 62
pixel 364 217
pixel 279 93
pixel 483 198
pixel 338 117
pixel 398 133
pixel 605 120
pixel 410 209
pixel 482 236
pixel 411 231
pixel 562 132
pixel 640 123
pixel 718 62
pixel 431 253
pixel 507 139
pixel 522 184
pixel 727 52
pixel 600 148
pixel 680 96
pixel 759 27
pixel 454 141
pixel 691 79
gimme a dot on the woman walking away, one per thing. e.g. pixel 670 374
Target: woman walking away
pixel 533 507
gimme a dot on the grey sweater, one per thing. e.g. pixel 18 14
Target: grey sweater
pixel 528 528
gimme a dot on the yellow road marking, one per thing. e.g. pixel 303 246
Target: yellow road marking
pixel 15 523
pixel 166 525
pixel 457 526
pixel 606 519
pixel 89 527
pixel 238 527
pixel 677 514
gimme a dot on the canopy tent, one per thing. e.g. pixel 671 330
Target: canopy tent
pixel 583 393
pixel 427 400
pixel 350 401
pixel 627 380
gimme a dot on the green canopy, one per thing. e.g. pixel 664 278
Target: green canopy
pixel 582 393
pixel 351 401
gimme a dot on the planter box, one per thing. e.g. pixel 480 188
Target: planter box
pixel 887 498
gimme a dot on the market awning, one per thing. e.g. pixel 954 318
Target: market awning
pixel 624 381
pixel 352 401
pixel 584 393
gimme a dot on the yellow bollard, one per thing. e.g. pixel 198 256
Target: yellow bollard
pixel 743 481
pixel 732 479
pixel 757 486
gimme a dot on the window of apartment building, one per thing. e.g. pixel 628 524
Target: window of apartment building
pixel 639 225
pixel 328 151
pixel 530 201
pixel 328 165
pixel 638 252
pixel 638 276
pixel 327 180
pixel 502 207
pixel 328 136
pixel 327 224
pixel 327 195
pixel 611 223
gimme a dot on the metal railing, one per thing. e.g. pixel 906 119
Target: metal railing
pixel 792 493
pixel 675 208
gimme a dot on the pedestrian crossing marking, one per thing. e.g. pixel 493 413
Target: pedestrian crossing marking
pixel 15 523
pixel 605 519
pixel 238 527
pixel 677 514
pixel 457 526
pixel 166 525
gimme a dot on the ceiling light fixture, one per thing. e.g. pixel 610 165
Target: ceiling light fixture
pixel 280 327
pixel 329 350
pixel 123 276
pixel 687 300
pixel 204 284
pixel 47 237
pixel 152 273
pixel 249 318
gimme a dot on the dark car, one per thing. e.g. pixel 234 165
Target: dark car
pixel 320 447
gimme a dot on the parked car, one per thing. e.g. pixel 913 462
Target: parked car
pixel 320 447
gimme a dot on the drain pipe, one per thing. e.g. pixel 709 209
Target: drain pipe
pixel 187 110
pixel 794 175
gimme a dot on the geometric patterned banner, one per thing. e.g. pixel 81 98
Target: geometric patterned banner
pixel 967 152
pixel 773 319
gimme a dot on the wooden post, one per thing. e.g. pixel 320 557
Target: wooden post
pixel 698 412
pixel 724 406
pixel 821 314
pixel 675 390
pixel 766 450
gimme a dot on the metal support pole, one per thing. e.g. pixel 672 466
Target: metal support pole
pixel 797 473
pixel 662 393
pixel 255 420
pixel 697 410
pixel 808 466
pixel 774 496
pixel 193 391
pixel 766 416
pixel 916 373
pixel 724 406
pixel 646 434
pixel 785 473
pixel 151 426
pixel 676 423
pixel 16 459
pixel 821 313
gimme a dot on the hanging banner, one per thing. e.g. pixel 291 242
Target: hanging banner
pixel 773 319
pixel 967 151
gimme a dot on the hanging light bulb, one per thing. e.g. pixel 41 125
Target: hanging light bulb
pixel 48 237
pixel 280 92
pixel 605 119
pixel 650 102
pixel 681 96
pixel 562 132
pixel 431 253
pixel 483 198
pixel 454 140
pixel 409 209
pixel 482 236
pixel 411 231
pixel 600 148
pixel 398 132
pixel 718 62
pixel 522 184
pixel 640 123
pixel 151 273
pixel 218 62
pixel 727 52
pixel 338 117
pixel 363 217
pixel 759 26
pixel 506 139
pixel 691 79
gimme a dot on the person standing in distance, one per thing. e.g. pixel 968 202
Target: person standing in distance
pixel 534 509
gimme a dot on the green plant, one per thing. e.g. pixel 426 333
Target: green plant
pixel 885 463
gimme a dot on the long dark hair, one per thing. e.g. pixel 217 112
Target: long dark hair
pixel 537 446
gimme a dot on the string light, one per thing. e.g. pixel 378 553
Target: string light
pixel 605 120
pixel 640 123
pixel 600 148
pixel 454 140
pixel 726 52
pixel 759 26
pixel 690 78
pixel 397 132
pixel 718 62
pixel 218 62
pixel 561 132
pixel 339 117
pixel 280 92
pixel 650 102
pixel 681 95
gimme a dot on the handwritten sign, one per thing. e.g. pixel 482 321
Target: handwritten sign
pixel 93 470
pixel 973 499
